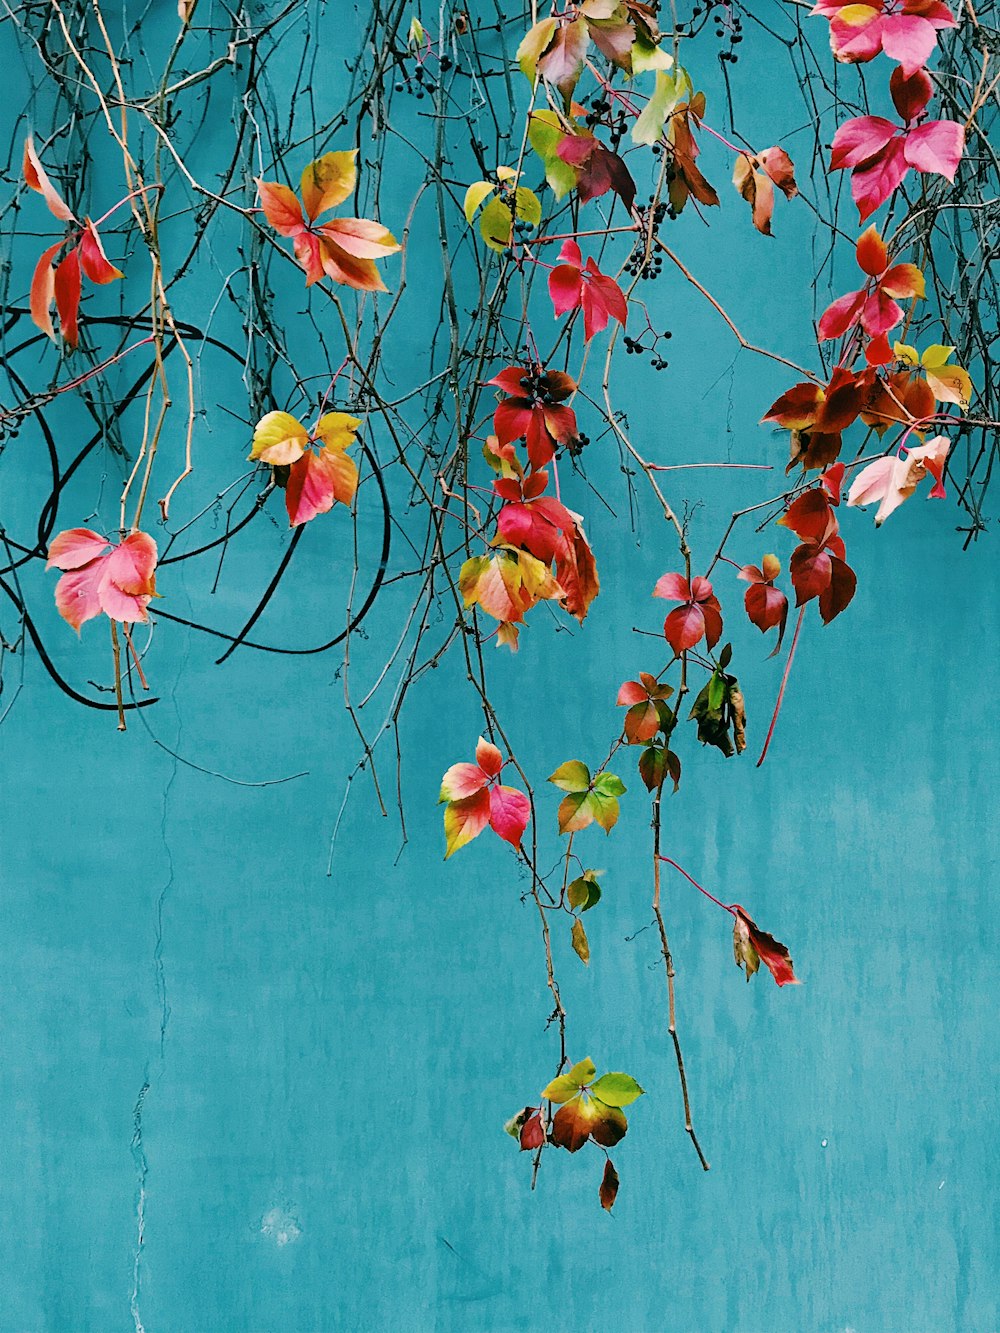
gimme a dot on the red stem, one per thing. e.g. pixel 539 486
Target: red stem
pixel 784 682
pixel 725 907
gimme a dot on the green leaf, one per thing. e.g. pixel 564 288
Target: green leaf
pixel 716 692
pixel 616 1089
pixel 646 56
pixel 561 1089
pixel 726 656
pixel 527 205
pixel 583 1071
pixel 545 131
pixel 580 942
pixel 585 892
pixel 496 224
pixel 605 810
pixel 670 89
pixel 609 785
pixel 474 196
pixel 564 1087
pixel 572 776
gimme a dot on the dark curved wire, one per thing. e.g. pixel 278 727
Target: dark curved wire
pixel 50 667
pixel 355 621
pixel 47 517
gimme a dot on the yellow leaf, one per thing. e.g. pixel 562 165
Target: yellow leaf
pixel 337 430
pixel 328 181
pixel 581 944
pixel 474 196
pixel 951 384
pixel 904 352
pixel 935 356
pixel 278 439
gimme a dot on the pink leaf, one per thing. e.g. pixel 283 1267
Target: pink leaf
pixel 936 146
pixel 908 39
pixel 131 564
pixel 674 587
pixel 462 781
pixel 78 594
pixel 465 820
pixel 841 315
pixel 75 548
pixel 874 181
pixel 860 139
pixel 509 811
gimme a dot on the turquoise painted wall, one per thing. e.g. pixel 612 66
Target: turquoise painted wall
pixel 290 1087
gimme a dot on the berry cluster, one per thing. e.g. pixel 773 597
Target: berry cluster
pixel 636 347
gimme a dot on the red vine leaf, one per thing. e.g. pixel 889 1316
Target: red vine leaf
pixel 572 286
pixel 534 410
pixel 699 617
pixel 609 1186
pixel 756 176
pixel 907 33
pixel 36 178
pixel 472 801
pixel 343 249
pixel 753 946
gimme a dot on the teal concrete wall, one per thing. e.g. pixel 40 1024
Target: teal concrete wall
pixel 238 1094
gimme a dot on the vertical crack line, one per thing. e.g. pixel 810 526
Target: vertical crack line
pixel 141 1172
pixel 161 974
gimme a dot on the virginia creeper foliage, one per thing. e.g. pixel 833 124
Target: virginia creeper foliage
pixel 580 187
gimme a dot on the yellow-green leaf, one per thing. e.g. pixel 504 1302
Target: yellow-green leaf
pixel 646 56
pixel 496 225
pixel 530 51
pixel 935 356
pixel 583 1071
pixel 616 1089
pixel 527 205
pixel 581 944
pixel 572 776
pixel 474 196
pixel 545 130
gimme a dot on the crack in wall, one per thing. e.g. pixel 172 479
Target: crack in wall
pixel 141 1171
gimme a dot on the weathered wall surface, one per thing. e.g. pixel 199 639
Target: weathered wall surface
pixel 290 1087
